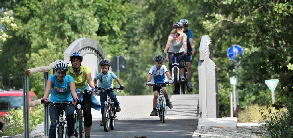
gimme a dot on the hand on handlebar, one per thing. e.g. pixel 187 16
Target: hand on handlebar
pixel 45 100
pixel 171 81
pixel 121 87
pixel 149 83
pixel 94 89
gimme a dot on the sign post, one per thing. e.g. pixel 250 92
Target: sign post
pixel 272 84
pixel 118 63
pixel 232 54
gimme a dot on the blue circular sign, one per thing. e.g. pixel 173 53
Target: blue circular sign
pixel 234 51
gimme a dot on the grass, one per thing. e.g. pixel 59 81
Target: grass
pixel 257 114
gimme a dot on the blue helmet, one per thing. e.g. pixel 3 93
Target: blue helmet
pixel 105 62
pixel 159 58
pixel 76 55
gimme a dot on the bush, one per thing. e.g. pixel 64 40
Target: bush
pixel 15 121
pixel 280 124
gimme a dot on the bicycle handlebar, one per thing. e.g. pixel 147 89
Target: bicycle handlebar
pixel 56 103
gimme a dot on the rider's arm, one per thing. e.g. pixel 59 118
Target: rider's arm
pixel 47 89
pixel 192 45
pixel 89 80
pixel 149 77
pixel 168 75
pixel 95 82
pixel 168 44
pixel 185 43
pixel 118 80
pixel 73 90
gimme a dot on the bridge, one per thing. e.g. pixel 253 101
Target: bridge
pixel 187 108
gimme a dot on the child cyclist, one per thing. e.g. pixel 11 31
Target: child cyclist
pixel 159 71
pixel 62 88
pixel 105 78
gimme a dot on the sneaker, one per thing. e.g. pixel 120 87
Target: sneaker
pixel 190 87
pixel 101 123
pixel 153 113
pixel 182 78
pixel 118 109
pixel 87 136
pixel 169 104
pixel 72 137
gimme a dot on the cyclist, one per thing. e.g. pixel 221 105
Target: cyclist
pixel 83 80
pixel 159 71
pixel 62 88
pixel 105 78
pixel 190 51
pixel 176 43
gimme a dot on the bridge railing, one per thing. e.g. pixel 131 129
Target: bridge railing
pixel 27 104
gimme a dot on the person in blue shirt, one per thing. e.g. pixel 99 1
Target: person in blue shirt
pixel 62 88
pixel 157 73
pixel 190 51
pixel 105 82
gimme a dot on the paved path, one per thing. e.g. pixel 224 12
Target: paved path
pixel 135 120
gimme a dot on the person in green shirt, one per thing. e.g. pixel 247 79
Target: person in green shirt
pixel 83 80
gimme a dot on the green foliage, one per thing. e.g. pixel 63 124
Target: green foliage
pixel 7 21
pixel 15 120
pixel 280 124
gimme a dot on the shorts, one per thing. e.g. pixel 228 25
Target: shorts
pixel 157 88
pixel 188 58
pixel 180 60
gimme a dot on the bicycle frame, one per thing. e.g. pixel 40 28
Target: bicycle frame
pixel 176 74
pixel 109 111
pixel 79 124
pixel 61 126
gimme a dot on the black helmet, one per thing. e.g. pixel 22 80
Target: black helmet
pixel 159 58
pixel 61 65
pixel 178 25
pixel 105 62
pixel 76 55
pixel 184 21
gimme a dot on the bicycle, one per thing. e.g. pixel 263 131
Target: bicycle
pixel 61 126
pixel 179 85
pixel 109 110
pixel 78 115
pixel 79 118
pixel 161 102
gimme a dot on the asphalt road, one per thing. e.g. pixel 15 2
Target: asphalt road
pixel 135 121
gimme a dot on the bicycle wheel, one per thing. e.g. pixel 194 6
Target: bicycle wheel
pixel 59 131
pixel 162 110
pixel 80 124
pixel 106 119
pixel 176 81
pixel 112 120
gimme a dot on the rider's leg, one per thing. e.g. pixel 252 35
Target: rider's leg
pixel 168 103
pixel 103 98
pixel 181 72
pixel 114 98
pixel 69 113
pixel 165 92
pixel 155 99
pixel 87 113
pixel 189 71
pixel 54 114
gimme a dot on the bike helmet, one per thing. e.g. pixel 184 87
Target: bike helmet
pixel 178 25
pixel 61 65
pixel 159 58
pixel 76 55
pixel 105 62
pixel 184 21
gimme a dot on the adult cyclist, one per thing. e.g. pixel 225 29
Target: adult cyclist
pixel 190 51
pixel 176 43
pixel 83 80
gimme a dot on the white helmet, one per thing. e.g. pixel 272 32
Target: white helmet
pixel 184 21
pixel 61 65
